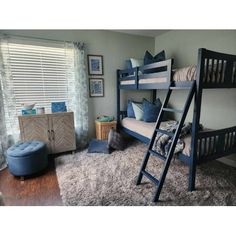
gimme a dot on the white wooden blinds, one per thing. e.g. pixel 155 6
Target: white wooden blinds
pixel 38 72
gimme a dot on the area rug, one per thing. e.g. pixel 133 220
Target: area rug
pixel 87 179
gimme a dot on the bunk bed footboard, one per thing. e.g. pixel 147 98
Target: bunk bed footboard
pixel 215 144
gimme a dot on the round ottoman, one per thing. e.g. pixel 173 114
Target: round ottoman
pixel 27 158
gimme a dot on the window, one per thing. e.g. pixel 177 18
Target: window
pixel 36 72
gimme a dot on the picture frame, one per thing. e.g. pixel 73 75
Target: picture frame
pixel 95 64
pixel 96 87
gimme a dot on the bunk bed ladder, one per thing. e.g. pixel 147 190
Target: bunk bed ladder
pixel 175 136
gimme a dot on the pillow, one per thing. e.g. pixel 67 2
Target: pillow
pixel 115 140
pixel 148 58
pixel 135 62
pixel 130 110
pixel 138 111
pixel 128 64
pixel 98 146
pixel 151 111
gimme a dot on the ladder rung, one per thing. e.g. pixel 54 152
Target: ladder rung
pixel 180 88
pixel 152 178
pixel 165 132
pixel 156 154
pixel 172 110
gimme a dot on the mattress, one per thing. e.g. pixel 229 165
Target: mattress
pixel 146 129
pixel 179 75
pixel 127 82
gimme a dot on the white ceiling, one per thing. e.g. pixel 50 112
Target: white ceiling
pixel 148 33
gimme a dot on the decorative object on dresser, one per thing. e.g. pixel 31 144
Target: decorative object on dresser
pixel 103 129
pixel 56 130
pixel 27 109
pixel 28 106
pixel 28 112
pixel 59 107
pixel 40 110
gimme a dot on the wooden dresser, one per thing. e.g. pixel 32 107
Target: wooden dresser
pixel 55 129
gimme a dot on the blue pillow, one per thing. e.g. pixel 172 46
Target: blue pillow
pixel 130 110
pixel 98 146
pixel 148 58
pixel 151 111
pixel 128 64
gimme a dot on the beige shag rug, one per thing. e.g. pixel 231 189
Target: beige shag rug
pixel 102 179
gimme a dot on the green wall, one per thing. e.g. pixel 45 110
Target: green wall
pixel 218 106
pixel 182 45
pixel 115 48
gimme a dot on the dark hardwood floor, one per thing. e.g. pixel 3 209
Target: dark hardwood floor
pixel 40 190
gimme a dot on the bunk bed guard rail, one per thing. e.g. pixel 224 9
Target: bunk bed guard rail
pixel 156 75
pixel 152 76
pixel 215 144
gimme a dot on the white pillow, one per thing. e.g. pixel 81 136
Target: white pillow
pixel 138 111
pixel 136 62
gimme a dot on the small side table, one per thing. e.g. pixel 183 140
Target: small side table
pixel 103 128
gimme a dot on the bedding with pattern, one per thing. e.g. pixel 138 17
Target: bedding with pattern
pixel 163 142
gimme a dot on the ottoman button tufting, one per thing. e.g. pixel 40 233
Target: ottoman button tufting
pixel 27 158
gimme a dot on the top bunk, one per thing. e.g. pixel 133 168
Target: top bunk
pixel 213 70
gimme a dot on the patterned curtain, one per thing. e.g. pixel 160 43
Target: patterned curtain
pixel 3 132
pixel 80 96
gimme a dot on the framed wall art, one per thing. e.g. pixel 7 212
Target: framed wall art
pixel 96 87
pixel 95 65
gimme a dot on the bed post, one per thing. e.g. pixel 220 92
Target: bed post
pixel 154 95
pixel 118 98
pixel 196 118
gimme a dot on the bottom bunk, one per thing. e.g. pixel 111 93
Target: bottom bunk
pixel 212 144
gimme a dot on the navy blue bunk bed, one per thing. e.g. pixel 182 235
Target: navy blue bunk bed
pixel 205 145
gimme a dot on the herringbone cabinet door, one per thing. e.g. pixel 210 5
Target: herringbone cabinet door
pixel 63 132
pixel 34 128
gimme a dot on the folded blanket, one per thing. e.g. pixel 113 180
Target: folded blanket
pixel 163 142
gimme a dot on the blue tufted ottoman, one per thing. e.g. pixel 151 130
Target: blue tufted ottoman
pixel 27 158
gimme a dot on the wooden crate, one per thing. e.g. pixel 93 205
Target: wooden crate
pixel 103 128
